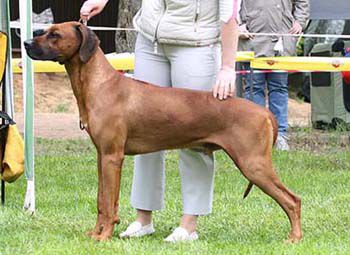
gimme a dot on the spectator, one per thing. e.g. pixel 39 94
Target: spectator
pixel 280 17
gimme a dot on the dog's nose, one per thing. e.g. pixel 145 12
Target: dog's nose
pixel 28 43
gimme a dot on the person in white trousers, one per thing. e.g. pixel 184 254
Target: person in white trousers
pixel 178 45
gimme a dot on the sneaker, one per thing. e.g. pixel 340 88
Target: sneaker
pixel 180 235
pixel 282 143
pixel 136 229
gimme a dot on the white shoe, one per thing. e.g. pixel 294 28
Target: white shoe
pixel 181 234
pixel 136 229
pixel 282 143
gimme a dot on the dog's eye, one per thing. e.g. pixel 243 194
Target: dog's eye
pixel 53 35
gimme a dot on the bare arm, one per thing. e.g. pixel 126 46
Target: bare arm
pixel 229 37
pixel 91 8
pixel 225 85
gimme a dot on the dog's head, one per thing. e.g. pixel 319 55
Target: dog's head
pixel 62 42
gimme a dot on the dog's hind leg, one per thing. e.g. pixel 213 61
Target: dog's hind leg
pixel 254 159
pixel 261 174
pixel 259 171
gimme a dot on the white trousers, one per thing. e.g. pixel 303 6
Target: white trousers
pixel 180 67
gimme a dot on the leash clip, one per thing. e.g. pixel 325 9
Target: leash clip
pixel 83 21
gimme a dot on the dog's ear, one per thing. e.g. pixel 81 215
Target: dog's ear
pixel 89 43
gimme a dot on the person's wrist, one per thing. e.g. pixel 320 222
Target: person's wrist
pixel 228 68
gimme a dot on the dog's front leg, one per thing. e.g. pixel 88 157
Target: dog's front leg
pixel 99 223
pixel 111 165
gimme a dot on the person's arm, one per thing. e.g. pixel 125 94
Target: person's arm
pixel 91 8
pixel 225 85
pixel 301 13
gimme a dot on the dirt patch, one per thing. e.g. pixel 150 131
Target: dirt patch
pixel 54 125
pixel 319 141
pixel 53 93
pixel 299 113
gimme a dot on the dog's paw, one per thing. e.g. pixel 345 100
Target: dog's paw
pixel 293 239
pixel 97 230
pixel 92 233
pixel 116 220
pixel 102 237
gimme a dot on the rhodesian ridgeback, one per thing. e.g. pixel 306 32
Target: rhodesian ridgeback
pixel 124 116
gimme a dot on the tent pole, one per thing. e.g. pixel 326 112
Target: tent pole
pixel 25 10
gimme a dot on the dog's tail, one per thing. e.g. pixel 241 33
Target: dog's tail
pixel 275 133
pixel 248 189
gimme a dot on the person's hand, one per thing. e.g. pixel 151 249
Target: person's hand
pixel 225 85
pixel 91 8
pixel 296 28
pixel 243 29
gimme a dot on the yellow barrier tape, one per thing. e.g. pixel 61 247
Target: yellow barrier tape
pixel 3 49
pixel 328 64
pixel 245 56
pixel 122 62
pixel 39 66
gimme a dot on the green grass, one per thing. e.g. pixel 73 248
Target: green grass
pixel 62 108
pixel 66 180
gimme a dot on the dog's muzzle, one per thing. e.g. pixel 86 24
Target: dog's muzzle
pixel 36 52
pixel 32 50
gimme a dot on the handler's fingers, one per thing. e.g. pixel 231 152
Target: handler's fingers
pixel 216 89
pixel 84 19
pixel 294 31
pixel 91 8
pixel 221 89
pixel 296 28
pixel 227 90
pixel 299 31
pixel 243 36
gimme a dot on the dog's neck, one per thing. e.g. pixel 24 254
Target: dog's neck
pixel 86 78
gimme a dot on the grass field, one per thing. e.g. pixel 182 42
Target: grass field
pixel 66 189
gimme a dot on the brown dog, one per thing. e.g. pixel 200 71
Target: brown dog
pixel 127 117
